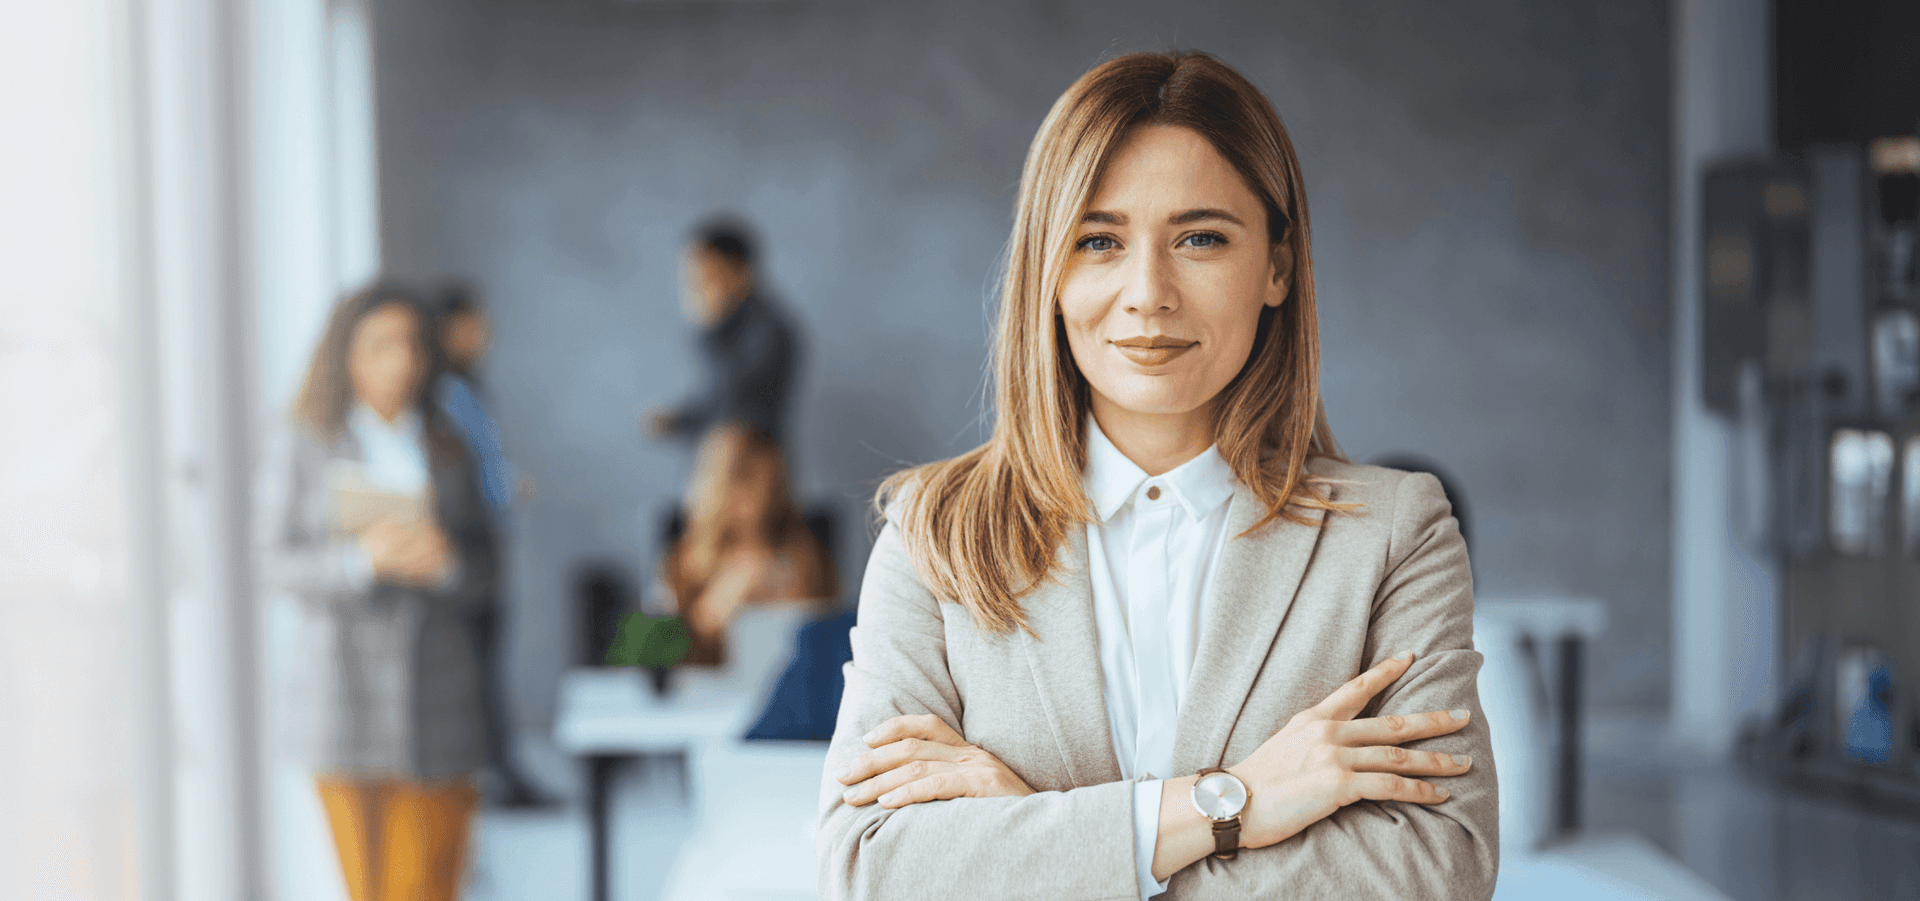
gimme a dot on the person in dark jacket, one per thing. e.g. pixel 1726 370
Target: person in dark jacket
pixel 749 344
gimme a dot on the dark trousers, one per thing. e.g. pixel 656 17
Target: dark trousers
pixel 486 629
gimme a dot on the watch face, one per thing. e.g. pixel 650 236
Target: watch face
pixel 1219 796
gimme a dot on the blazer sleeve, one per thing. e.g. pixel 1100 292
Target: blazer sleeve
pixel 1391 849
pixel 294 557
pixel 1075 844
pixel 468 521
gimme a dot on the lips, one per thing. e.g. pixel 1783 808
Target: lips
pixel 1156 350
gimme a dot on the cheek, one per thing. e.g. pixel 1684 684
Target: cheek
pixel 1081 314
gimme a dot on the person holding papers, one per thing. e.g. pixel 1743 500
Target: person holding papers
pixel 373 518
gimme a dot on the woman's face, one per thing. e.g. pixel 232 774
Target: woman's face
pixel 1169 270
pixel 383 361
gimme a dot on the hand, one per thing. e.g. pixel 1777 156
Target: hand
pixel 920 758
pixel 736 580
pixel 408 553
pixel 1324 759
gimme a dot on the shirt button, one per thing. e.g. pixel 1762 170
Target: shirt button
pixel 1153 494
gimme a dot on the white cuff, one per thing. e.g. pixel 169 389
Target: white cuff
pixel 1146 835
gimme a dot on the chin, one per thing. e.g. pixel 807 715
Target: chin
pixel 1156 399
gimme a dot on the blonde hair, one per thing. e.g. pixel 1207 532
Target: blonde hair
pixel 984 528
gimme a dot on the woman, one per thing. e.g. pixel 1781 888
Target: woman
pixel 744 540
pixel 1157 635
pixel 374 520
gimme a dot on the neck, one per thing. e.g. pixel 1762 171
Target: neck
pixel 388 415
pixel 732 303
pixel 1155 442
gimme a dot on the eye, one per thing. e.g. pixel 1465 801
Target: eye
pixel 1097 244
pixel 1205 240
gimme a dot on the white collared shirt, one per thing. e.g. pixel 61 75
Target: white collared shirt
pixel 1151 553
pixel 393 456
pixel 393 453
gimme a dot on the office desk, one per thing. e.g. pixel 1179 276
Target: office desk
pixel 608 714
pixel 1559 628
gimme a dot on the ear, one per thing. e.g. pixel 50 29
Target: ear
pixel 1280 282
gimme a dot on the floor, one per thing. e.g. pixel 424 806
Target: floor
pixel 543 854
pixel 1751 839
pixel 1679 822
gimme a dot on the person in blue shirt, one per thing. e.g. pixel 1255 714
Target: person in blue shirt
pixel 465 334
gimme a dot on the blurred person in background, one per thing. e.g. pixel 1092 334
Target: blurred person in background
pixel 749 344
pixel 373 519
pixel 745 541
pixel 465 333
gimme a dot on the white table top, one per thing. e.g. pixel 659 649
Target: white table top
pixel 614 710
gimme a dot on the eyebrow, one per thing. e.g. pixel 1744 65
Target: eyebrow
pixel 1107 217
pixel 1203 214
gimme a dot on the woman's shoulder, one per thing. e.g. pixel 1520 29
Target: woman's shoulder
pixel 1395 505
pixel 1381 493
pixel 1361 483
pixel 298 442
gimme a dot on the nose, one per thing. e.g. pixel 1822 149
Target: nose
pixel 1150 288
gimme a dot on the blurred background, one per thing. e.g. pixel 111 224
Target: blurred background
pixel 1637 279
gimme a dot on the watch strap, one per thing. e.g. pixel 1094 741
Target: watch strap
pixel 1226 833
pixel 1226 838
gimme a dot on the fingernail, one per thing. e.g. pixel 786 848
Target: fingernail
pixel 1443 794
pixel 1403 655
pixel 890 797
pixel 868 738
pixel 842 773
pixel 1461 760
pixel 847 796
pixel 1462 713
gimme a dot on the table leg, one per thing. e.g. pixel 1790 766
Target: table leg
pixel 1571 716
pixel 599 784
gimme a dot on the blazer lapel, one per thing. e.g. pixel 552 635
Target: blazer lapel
pixel 1065 661
pixel 1253 586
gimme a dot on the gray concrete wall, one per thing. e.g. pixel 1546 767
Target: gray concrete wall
pixel 1488 182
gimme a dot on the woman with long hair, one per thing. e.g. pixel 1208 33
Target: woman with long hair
pixel 744 541
pixel 1158 634
pixel 372 518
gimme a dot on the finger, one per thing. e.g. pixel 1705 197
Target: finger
pixel 1348 700
pixel 1389 787
pixel 871 790
pixel 1404 761
pixel 937 787
pixel 1398 729
pixel 895 754
pixel 924 726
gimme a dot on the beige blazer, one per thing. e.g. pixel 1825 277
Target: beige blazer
pixel 1296 611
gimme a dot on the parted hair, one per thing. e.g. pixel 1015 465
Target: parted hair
pixel 984 528
pixel 326 395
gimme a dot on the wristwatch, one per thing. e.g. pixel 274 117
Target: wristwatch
pixel 1220 796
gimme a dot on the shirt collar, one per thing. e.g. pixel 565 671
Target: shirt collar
pixel 363 421
pixel 1200 485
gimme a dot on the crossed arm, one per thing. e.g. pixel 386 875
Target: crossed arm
pixel 319 568
pixel 1355 840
